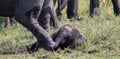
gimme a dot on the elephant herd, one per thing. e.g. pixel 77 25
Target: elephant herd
pixel 37 15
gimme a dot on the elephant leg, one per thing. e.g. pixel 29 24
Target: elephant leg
pixel 70 7
pixel 54 1
pixel 48 14
pixel 72 10
pixel 7 22
pixel 43 38
pixel 13 22
pixel 44 19
pixel 116 7
pixel 28 17
pixel 54 19
pixel 61 6
pixel 94 8
pixel 58 11
pixel 76 16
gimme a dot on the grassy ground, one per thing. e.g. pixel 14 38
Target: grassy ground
pixel 102 34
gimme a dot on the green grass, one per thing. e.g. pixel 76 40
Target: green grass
pixel 103 34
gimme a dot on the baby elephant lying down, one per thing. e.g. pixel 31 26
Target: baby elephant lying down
pixel 66 36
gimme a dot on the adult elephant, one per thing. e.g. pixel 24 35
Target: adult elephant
pixel 27 13
pixel 94 7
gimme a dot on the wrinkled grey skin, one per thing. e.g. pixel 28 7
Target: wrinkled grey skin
pixel 48 15
pixel 27 13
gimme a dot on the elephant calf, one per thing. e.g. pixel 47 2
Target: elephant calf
pixel 67 36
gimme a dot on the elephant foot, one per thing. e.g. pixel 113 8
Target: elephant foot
pixel 46 44
pixel 96 12
pixel 35 46
pixel 78 18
